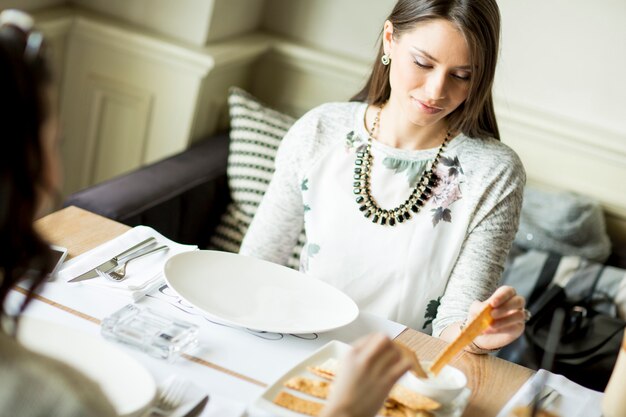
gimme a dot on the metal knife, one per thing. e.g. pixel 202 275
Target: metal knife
pixel 114 261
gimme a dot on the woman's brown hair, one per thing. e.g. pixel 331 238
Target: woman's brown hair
pixel 479 22
pixel 24 77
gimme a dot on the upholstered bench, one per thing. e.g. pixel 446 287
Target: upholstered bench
pixel 182 196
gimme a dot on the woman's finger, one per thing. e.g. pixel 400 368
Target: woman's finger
pixel 378 354
pixel 516 303
pixel 516 316
pixel 514 329
pixel 501 296
pixel 396 370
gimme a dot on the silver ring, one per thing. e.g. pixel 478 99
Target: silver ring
pixel 527 315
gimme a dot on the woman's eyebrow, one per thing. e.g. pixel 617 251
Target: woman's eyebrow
pixel 432 58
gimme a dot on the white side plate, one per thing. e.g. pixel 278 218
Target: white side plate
pixel 127 384
pixel 332 350
pixel 258 295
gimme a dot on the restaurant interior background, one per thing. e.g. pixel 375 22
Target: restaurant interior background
pixel 143 79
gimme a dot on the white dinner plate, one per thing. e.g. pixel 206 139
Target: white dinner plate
pixel 333 351
pixel 127 384
pixel 258 295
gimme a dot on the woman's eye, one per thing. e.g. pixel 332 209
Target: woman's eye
pixel 421 64
pixel 462 77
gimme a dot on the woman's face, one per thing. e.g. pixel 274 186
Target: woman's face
pixel 49 135
pixel 430 70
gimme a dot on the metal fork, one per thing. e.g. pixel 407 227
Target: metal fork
pixel 171 395
pixel 119 273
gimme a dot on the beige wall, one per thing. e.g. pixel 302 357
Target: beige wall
pixel 566 57
pixel 194 21
pixel 186 19
pixel 347 27
pixel 197 22
pixel 29 4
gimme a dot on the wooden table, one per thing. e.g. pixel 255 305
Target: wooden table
pixel 492 380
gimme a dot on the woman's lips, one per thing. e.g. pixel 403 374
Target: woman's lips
pixel 426 108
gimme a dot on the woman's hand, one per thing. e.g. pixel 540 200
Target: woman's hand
pixel 508 316
pixel 365 377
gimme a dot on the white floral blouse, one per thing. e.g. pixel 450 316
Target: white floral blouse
pixel 421 272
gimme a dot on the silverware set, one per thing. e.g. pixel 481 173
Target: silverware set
pixel 114 269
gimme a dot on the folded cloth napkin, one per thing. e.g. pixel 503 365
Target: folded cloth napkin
pixel 142 274
pixel 575 401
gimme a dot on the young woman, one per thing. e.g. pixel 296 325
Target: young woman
pixel 409 200
pixel 32 385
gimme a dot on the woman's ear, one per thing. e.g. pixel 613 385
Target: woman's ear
pixel 387 37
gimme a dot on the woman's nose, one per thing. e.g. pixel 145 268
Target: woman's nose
pixel 436 86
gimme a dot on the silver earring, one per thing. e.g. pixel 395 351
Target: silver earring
pixel 385 59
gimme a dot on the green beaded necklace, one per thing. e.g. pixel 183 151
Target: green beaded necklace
pixel 420 194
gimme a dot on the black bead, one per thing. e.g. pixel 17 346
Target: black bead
pixel 368 213
pixel 356 184
pixel 392 221
pixel 357 170
pixel 363 207
pixel 375 218
pixel 360 199
pixel 400 219
pixel 407 215
pixel 414 208
pixel 383 220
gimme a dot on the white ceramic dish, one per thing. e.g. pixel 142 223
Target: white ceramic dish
pixel 332 350
pixel 444 388
pixel 127 384
pixel 258 295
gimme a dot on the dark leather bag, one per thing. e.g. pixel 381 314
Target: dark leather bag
pixel 589 342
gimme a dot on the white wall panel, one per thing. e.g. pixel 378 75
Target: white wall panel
pixel 118 129
pixel 126 94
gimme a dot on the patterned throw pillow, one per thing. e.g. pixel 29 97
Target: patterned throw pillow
pixel 255 134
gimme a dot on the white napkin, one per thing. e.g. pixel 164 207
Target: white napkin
pixel 575 401
pixel 143 274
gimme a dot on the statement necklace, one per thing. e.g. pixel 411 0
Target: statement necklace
pixel 362 174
